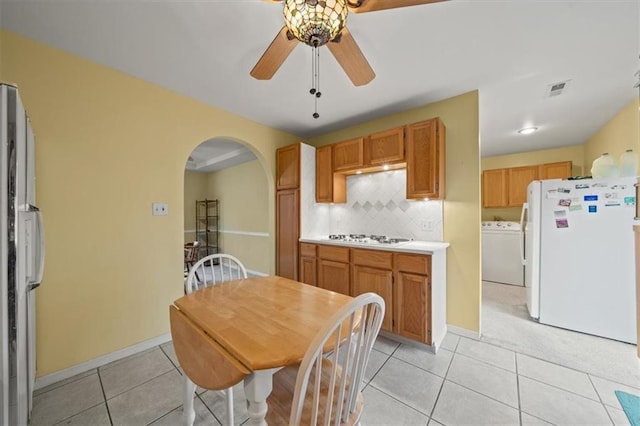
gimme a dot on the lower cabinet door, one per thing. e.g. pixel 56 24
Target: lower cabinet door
pixel 413 301
pixel 378 281
pixel 307 270
pixel 333 276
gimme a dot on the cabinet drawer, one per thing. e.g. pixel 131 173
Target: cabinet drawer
pixel 374 258
pixel 308 250
pixel 415 263
pixel 339 254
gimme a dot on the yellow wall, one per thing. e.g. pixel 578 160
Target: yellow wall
pixel 462 204
pixel 622 132
pixel 108 145
pixel 243 194
pixel 575 154
pixel 195 188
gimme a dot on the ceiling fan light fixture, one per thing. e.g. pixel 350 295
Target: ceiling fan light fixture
pixel 315 22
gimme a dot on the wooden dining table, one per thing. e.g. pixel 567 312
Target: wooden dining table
pixel 265 323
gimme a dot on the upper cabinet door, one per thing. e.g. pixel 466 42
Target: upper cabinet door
pixel 330 187
pixel 495 188
pixel 348 155
pixel 560 170
pixel 384 147
pixel 519 180
pixel 426 159
pixel 288 167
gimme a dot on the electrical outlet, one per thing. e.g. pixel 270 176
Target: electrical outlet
pixel 160 209
pixel 426 225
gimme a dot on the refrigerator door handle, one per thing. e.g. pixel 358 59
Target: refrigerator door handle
pixel 38 241
pixel 525 208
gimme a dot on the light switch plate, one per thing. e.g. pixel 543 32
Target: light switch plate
pixel 160 209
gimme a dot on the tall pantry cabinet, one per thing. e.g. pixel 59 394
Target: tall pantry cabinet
pixel 295 189
pixel 287 210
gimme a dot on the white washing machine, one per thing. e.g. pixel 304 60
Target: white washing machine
pixel 501 261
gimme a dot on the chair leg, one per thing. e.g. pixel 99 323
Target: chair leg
pixel 229 396
pixel 188 413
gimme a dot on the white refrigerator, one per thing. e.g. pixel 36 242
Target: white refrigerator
pixel 579 255
pixel 21 259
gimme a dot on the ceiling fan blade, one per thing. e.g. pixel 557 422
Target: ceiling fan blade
pixel 350 57
pixel 361 6
pixel 274 56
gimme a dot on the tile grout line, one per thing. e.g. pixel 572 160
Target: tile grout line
pixel 444 379
pixel 601 401
pixel 104 396
pixel 518 389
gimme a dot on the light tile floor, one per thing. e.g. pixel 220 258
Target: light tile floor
pixel 469 382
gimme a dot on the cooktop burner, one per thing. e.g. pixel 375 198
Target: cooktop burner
pixel 366 239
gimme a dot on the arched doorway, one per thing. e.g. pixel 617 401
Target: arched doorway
pixel 232 172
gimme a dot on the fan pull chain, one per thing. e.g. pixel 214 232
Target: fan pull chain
pixel 315 78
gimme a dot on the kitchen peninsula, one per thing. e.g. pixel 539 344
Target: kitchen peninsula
pixel 410 276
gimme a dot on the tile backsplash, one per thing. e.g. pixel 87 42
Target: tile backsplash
pixel 376 204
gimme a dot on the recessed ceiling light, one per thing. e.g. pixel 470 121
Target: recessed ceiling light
pixel 527 130
pixel 359 172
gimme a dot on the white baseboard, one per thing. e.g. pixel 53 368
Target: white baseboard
pixel 463 332
pixel 259 274
pixel 100 361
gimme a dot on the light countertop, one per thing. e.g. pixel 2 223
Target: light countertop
pixel 419 247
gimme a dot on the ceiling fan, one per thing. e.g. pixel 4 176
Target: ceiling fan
pixel 320 22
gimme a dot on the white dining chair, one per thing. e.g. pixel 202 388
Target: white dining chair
pixel 321 390
pixel 214 269
pixel 211 270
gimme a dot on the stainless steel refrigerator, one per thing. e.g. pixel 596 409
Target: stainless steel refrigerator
pixel 21 259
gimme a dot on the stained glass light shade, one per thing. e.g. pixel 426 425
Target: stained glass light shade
pixel 315 22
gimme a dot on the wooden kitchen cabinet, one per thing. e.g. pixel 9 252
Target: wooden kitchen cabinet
pixel 519 179
pixel 495 188
pixel 412 296
pixel 330 187
pixel 348 155
pixel 288 167
pixel 508 187
pixel 426 159
pixel 287 232
pixel 559 170
pixel 383 148
pixel 334 269
pixel 371 270
pixel 307 270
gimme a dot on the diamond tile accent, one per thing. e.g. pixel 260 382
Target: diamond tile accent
pixel 367 206
pixel 378 205
pixel 404 205
pixel 391 206
pixel 356 206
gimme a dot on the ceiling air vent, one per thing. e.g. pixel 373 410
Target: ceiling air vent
pixel 556 89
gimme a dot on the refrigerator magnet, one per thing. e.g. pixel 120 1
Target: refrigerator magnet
pixel 590 198
pixel 593 209
pixel 564 202
pixel 564 190
pixel 575 207
pixel 562 223
pixel 582 185
pixel 629 201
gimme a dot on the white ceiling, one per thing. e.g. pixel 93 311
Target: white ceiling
pixel 510 50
